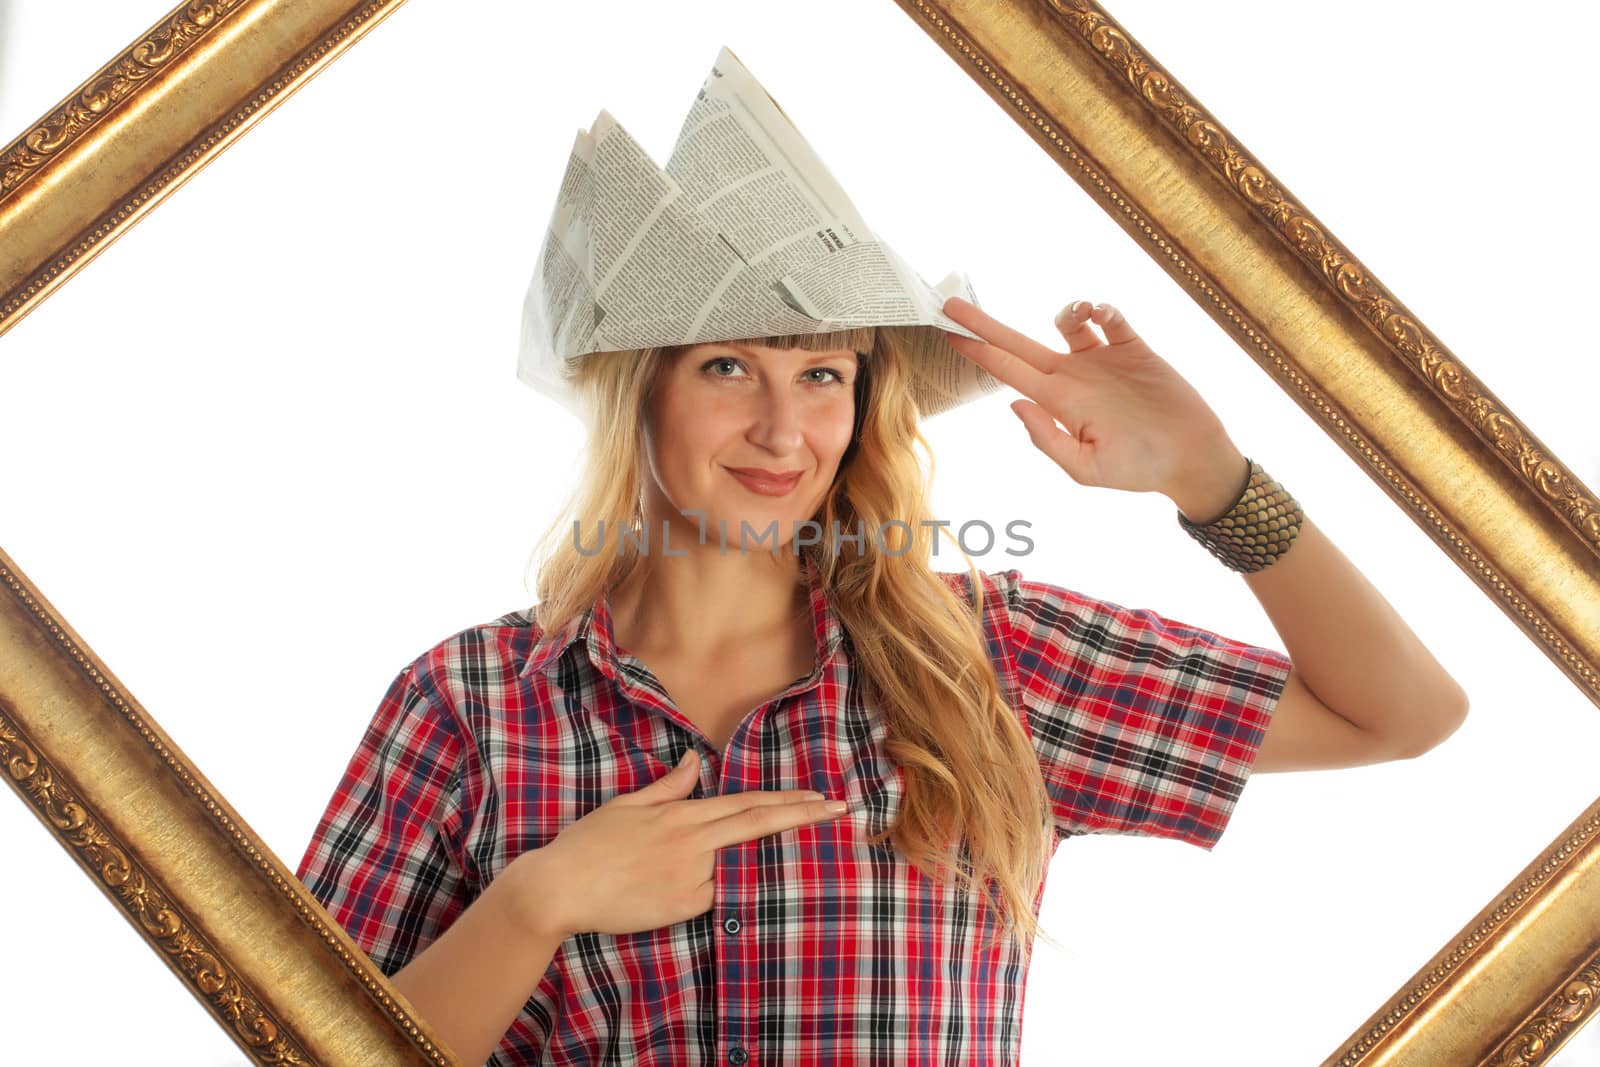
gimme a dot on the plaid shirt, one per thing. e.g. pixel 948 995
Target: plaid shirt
pixel 819 949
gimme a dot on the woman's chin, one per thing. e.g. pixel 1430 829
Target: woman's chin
pixel 758 529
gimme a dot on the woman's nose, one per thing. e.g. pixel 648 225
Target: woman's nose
pixel 776 421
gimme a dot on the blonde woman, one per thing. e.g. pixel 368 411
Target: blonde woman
pixel 597 831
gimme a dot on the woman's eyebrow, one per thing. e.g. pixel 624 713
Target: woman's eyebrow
pixel 811 357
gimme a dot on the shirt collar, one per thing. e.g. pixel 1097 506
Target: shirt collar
pixel 594 627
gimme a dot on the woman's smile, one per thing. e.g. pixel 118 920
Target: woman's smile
pixel 765 486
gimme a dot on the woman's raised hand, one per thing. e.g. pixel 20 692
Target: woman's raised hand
pixel 646 859
pixel 1132 421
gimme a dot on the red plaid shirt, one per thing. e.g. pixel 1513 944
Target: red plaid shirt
pixel 819 949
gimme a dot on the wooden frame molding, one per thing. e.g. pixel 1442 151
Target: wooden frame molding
pixel 227 916
pixel 290 987
pixel 147 121
pixel 1300 304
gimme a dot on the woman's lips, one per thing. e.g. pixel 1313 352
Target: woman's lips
pixel 766 486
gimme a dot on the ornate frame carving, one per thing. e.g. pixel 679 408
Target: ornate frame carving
pixel 291 988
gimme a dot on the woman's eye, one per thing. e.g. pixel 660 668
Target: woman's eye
pixel 720 360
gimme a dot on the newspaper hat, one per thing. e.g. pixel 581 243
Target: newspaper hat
pixel 743 234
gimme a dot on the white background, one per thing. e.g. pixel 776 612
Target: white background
pixel 269 446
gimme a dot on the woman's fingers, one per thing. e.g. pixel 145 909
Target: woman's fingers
pixel 1024 351
pixel 1114 323
pixel 1065 449
pixel 1004 365
pixel 1077 320
pixel 1073 322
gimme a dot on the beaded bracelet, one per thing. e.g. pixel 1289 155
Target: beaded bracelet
pixel 1258 529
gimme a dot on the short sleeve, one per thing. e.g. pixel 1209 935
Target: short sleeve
pixel 1143 725
pixel 386 858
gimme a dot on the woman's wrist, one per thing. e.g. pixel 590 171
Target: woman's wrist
pixel 527 897
pixel 1214 488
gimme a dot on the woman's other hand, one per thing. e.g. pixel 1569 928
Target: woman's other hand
pixel 1132 421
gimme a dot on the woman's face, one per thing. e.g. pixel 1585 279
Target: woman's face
pixel 725 407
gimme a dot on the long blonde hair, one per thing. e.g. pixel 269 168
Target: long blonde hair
pixel 917 642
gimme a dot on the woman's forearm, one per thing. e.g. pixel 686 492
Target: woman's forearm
pixel 470 984
pixel 1351 647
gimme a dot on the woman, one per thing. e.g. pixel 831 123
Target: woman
pixel 597 831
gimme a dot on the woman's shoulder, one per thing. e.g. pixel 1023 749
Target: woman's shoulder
pixel 1004 582
pixel 484 653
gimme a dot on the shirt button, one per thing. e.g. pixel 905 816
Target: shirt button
pixel 731 925
pixel 737 1055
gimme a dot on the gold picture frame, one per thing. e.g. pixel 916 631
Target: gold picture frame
pixel 290 987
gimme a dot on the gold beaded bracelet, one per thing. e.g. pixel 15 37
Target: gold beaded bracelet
pixel 1258 529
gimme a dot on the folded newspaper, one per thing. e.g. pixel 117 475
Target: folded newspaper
pixel 743 234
